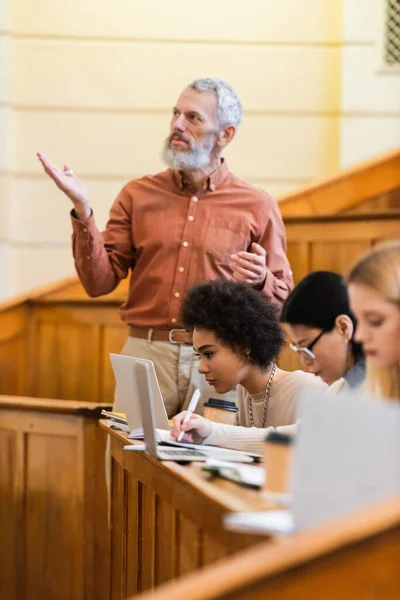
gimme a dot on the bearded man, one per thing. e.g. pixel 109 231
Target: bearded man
pixel 195 221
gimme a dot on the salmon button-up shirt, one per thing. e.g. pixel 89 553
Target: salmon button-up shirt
pixel 170 237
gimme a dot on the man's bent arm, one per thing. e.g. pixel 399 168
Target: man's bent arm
pixel 279 280
pixel 103 259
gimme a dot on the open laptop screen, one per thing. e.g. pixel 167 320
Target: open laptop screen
pixel 145 395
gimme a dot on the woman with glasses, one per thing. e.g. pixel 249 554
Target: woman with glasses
pixel 237 336
pixel 318 320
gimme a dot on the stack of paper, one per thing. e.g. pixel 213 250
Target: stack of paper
pixel 248 475
pixel 265 523
pixel 138 434
pixel 116 419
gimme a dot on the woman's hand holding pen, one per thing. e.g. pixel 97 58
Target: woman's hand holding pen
pixel 196 429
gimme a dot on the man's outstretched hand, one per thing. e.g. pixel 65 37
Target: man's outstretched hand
pixel 68 183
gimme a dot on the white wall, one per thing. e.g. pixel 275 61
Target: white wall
pixel 5 148
pixel 370 96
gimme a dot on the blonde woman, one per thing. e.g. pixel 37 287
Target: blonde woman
pixel 374 292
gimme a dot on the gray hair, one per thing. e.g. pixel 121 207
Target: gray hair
pixel 229 109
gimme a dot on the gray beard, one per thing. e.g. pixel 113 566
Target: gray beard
pixel 198 157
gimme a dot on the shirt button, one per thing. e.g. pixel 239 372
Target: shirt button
pixel 85 230
pixel 173 320
pixel 177 294
pixel 181 269
pixel 194 198
pixel 185 244
pixel 191 218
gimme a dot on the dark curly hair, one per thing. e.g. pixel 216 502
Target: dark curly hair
pixel 238 316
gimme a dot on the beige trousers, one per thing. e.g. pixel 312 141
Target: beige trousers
pixel 176 366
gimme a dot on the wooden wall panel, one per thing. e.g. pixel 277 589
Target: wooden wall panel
pixel 298 253
pixel 95 528
pixel 66 360
pixel 13 349
pixel 190 546
pixel 10 554
pixel 118 527
pixel 133 499
pixel 113 340
pixel 54 524
pixel 81 336
pixel 165 531
pixel 148 535
pixel 289 360
pixel 53 502
pixel 336 255
pixel 211 550
pixel 348 229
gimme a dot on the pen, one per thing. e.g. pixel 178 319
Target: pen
pixel 191 408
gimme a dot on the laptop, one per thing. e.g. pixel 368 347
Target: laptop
pixel 127 391
pixel 177 452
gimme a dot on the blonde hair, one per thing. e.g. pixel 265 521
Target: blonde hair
pixel 380 271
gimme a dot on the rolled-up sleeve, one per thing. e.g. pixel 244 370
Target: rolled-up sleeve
pixel 103 259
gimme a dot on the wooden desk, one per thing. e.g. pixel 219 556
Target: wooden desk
pixel 54 538
pixel 167 519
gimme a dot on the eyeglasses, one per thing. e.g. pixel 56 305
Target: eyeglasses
pixel 306 352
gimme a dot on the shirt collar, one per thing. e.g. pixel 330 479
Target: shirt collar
pixel 356 375
pixel 213 181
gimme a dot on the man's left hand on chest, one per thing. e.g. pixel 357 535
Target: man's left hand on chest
pixel 250 267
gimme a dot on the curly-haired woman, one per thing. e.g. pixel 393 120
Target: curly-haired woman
pixel 237 335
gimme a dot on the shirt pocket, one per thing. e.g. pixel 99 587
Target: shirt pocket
pixel 225 237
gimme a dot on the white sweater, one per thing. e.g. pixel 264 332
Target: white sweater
pixel 281 414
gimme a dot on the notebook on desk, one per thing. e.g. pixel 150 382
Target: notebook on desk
pixel 127 390
pixel 176 452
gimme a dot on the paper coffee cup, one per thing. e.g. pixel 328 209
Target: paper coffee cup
pixel 277 457
pixel 220 411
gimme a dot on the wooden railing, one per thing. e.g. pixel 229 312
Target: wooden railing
pixel 346 190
